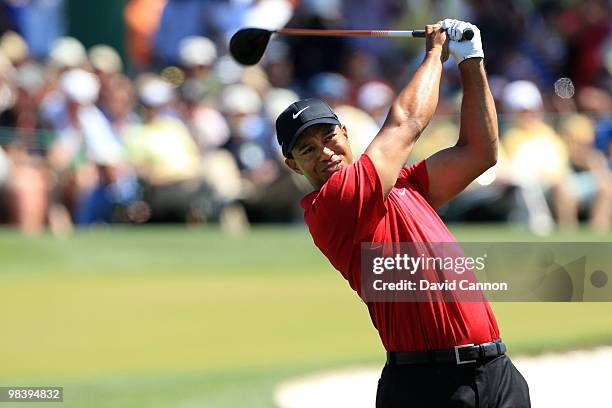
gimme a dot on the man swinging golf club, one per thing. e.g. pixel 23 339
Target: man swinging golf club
pixel 439 354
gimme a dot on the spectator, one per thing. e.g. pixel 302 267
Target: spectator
pixel 334 89
pixel 538 157
pixel 26 190
pixel 598 103
pixel 86 151
pixel 197 56
pixel 166 158
pixel 66 53
pixel 590 180
pixel 206 124
pixel 211 131
pixel 116 92
pixel 375 98
pixel 118 101
pixel 249 141
pixel 360 68
pixel 279 67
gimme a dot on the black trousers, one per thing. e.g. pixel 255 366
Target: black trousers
pixel 494 383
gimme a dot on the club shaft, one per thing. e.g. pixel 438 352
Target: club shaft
pixel 350 33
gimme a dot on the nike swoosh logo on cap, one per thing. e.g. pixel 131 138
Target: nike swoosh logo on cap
pixel 295 115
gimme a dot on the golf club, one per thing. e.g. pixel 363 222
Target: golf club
pixel 248 45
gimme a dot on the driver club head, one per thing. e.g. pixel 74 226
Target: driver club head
pixel 248 45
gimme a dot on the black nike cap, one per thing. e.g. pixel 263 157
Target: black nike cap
pixel 297 117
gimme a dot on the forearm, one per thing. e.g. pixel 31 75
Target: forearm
pixel 417 102
pixel 410 112
pixel 479 131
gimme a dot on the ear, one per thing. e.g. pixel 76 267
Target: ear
pixel 293 166
pixel 344 131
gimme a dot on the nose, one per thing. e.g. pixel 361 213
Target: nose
pixel 327 152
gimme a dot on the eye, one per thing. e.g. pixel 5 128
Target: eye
pixel 306 150
pixel 329 137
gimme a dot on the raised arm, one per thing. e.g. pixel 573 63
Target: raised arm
pixel 451 170
pixel 410 112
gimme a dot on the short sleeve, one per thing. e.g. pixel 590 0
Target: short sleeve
pixel 416 175
pixel 349 205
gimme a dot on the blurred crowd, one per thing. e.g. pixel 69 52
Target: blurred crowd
pixel 176 131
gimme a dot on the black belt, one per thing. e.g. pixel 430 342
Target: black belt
pixel 463 354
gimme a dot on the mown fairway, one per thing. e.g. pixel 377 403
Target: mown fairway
pixel 159 317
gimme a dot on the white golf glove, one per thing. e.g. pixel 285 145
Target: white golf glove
pixel 462 49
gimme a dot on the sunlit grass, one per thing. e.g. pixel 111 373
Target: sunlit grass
pixel 154 317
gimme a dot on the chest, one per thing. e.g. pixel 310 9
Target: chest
pixel 410 218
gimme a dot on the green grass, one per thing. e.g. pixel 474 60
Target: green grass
pixel 159 317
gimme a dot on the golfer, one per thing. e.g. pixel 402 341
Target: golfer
pixel 439 354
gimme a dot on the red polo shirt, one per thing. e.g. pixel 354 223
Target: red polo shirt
pixel 350 209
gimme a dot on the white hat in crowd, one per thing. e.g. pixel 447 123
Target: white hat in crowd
pixel 67 52
pixel 228 70
pixel 269 14
pixel 80 86
pixel 104 58
pixel 374 95
pixel 277 100
pixel 522 95
pixel 239 98
pixel 154 91
pixel 197 51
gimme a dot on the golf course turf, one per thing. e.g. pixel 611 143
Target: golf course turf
pixel 170 316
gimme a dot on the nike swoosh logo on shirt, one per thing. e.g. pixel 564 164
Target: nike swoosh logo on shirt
pixel 402 191
pixel 295 115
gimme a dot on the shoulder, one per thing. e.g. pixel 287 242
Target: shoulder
pixel 350 202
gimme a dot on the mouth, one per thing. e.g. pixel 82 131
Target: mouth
pixel 333 166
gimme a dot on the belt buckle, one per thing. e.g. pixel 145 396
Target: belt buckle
pixel 457 359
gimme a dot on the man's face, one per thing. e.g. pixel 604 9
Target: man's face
pixel 320 151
